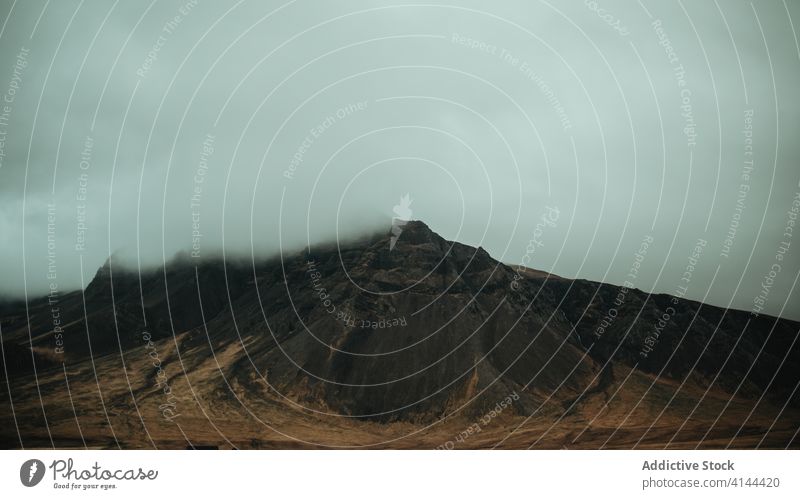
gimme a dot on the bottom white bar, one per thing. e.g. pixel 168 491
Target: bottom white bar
pixel 373 474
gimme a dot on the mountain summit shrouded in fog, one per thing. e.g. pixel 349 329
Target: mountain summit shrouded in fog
pixel 268 126
pixel 399 346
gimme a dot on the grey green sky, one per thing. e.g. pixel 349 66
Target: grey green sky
pixel 634 119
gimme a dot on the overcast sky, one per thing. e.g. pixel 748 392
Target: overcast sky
pixel 309 120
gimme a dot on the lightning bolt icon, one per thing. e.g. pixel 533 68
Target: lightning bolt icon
pixel 34 468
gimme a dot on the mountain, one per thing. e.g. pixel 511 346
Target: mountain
pixel 422 343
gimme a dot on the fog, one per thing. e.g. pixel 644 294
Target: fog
pixel 255 128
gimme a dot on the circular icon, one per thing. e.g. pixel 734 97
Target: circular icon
pixel 31 472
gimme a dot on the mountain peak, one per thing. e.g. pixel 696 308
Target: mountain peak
pixel 412 231
pixel 428 329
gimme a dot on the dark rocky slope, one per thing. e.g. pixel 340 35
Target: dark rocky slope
pixel 415 333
